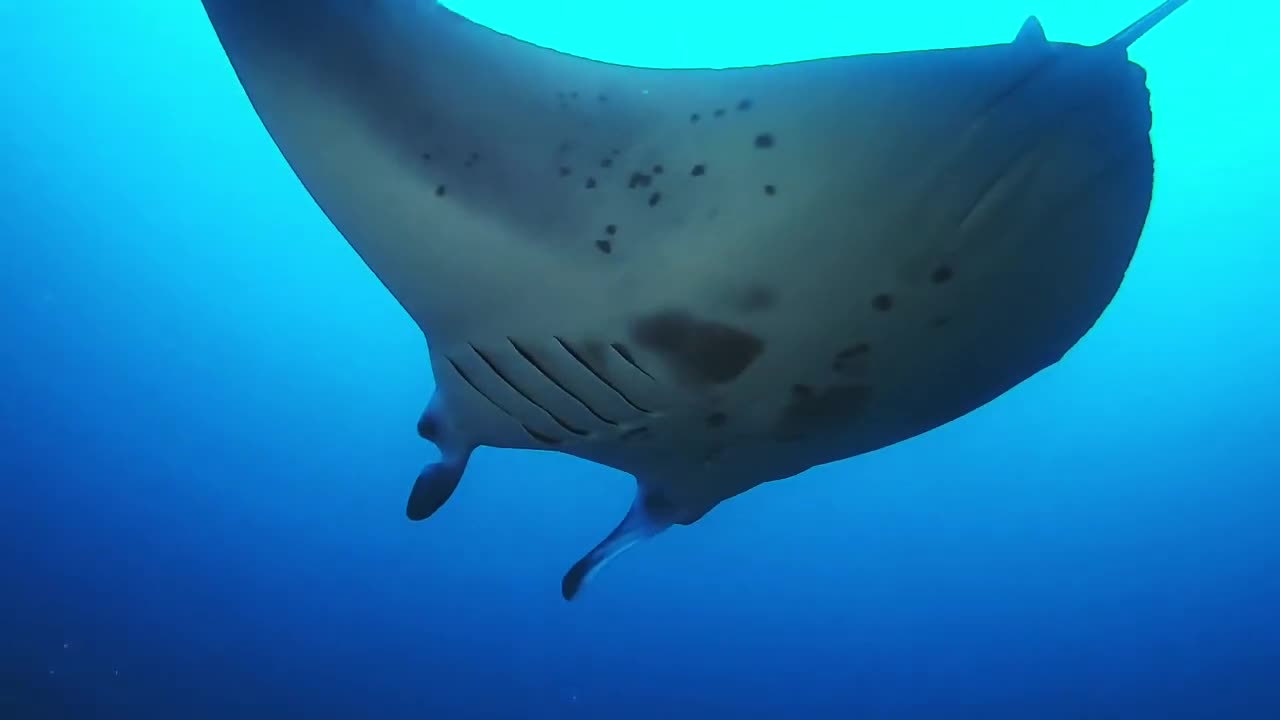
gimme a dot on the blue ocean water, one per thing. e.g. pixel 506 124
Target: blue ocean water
pixel 208 407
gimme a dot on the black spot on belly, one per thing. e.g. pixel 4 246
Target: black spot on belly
pixel 764 141
pixel 698 351
pixel 604 246
pixel 942 274
pixel 882 302
pixel 809 410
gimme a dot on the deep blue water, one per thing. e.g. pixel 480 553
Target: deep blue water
pixel 208 407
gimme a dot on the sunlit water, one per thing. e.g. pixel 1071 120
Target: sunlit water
pixel 208 406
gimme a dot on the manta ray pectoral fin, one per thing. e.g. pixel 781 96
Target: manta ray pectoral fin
pixel 649 515
pixel 1032 32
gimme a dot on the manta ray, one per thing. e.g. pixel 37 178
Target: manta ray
pixel 709 279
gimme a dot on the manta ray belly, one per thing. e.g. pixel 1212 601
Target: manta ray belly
pixel 709 279
pixel 839 325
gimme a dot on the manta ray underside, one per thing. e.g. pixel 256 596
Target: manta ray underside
pixel 709 279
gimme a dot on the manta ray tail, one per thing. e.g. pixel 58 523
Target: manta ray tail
pixel 1130 35
pixel 647 517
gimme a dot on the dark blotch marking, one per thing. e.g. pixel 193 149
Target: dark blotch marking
pixel 810 410
pixel 657 169
pixel 574 95
pixel 426 157
pixel 591 183
pixel 757 298
pixel 942 274
pixel 770 190
pixel 611 229
pixel 764 141
pixel 472 159
pixel 602 98
pixel 745 104
pixel 851 359
pixel 717 419
pixel 698 170
pixel 440 191
pixel 695 118
pixel 605 246
pixel 719 112
pixel 654 199
pixel 565 171
pixel 639 180
pixel 606 163
pixel 698 351
pixel 882 302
